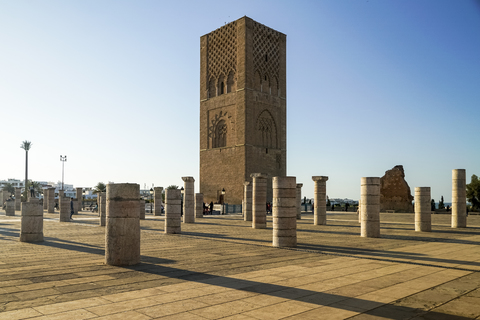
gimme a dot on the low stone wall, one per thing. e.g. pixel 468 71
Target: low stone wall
pixel 228 208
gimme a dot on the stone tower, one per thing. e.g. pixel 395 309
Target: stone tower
pixel 242 108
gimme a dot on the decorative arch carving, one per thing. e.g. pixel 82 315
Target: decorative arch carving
pixel 266 130
pixel 266 50
pixel 222 54
pixel 274 87
pixel 231 84
pixel 266 85
pixel 218 130
pixel 220 137
pixel 221 85
pixel 212 88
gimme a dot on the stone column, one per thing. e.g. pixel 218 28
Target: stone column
pixel 75 206
pixel 45 196
pixel 423 210
pixel 61 195
pixel 198 205
pixel 320 200
pixel 4 196
pixel 10 208
pixel 247 200
pixel 51 200
pixel 284 212
pixel 31 228
pixel 79 199
pixel 142 209
pixel 299 200
pixel 459 198
pixel 18 198
pixel 173 200
pixel 157 195
pixel 370 202
pixel 64 205
pixel 188 200
pixel 102 206
pixel 99 204
pixel 122 232
pixel 259 200
pixel 360 211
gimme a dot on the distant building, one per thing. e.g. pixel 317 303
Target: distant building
pixel 14 182
pixel 70 190
pixel 88 193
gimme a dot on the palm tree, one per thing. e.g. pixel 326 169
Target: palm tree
pixel 100 187
pixel 26 145
pixel 9 187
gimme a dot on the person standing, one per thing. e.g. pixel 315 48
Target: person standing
pixel 71 208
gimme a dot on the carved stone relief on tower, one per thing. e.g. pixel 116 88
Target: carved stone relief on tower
pixel 266 130
pixel 222 60
pixel 218 128
pixel 266 58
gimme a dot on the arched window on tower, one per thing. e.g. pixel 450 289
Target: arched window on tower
pixel 220 135
pixel 266 130
pixel 274 86
pixel 221 85
pixel 231 87
pixel 266 87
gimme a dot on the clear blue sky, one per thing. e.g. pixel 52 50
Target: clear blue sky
pixel 114 85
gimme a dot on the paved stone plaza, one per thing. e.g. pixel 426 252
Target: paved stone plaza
pixel 220 267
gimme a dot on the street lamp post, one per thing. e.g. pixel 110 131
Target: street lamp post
pixel 223 201
pixel 63 159
pixel 151 199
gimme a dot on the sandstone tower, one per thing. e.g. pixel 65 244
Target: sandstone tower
pixel 242 107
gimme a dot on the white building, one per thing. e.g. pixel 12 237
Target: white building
pixel 89 193
pixel 14 182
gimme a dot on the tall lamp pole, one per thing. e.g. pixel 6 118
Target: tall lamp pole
pixel 63 159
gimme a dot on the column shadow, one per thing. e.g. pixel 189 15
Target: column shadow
pixel 369 307
pixel 87 248
pixel 390 256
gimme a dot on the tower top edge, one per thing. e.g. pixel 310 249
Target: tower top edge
pixel 246 18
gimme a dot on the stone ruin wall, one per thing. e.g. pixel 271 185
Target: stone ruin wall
pixel 395 193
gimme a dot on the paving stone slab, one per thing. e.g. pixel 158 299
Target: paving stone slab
pixel 220 267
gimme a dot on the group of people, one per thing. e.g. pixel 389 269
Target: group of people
pixel 208 208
